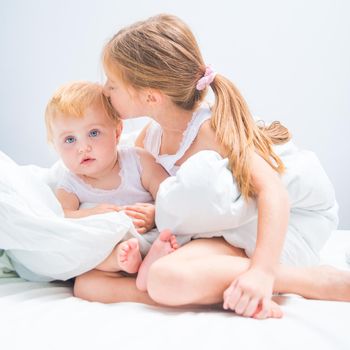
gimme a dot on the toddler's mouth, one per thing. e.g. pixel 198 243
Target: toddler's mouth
pixel 86 161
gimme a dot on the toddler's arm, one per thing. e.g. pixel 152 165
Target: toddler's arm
pixel 153 174
pixel 70 204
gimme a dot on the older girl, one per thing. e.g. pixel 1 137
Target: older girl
pixel 155 68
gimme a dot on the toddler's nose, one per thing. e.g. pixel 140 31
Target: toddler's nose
pixel 85 149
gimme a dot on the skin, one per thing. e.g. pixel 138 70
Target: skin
pixel 88 147
pixel 181 278
pixel 255 286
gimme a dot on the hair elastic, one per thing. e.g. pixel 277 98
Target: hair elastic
pixel 206 80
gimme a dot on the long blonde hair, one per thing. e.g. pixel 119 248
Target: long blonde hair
pixel 162 53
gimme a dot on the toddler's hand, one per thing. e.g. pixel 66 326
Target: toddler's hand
pixel 250 294
pixel 142 215
pixel 104 208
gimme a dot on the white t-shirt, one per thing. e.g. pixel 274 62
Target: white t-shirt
pixel 130 190
pixel 153 139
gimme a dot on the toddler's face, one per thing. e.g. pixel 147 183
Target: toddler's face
pixel 87 145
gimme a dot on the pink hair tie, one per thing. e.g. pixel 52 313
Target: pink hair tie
pixel 206 80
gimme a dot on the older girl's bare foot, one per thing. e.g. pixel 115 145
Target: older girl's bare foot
pixel 163 245
pixel 275 311
pixel 128 255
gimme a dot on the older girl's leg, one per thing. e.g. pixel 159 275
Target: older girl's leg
pixel 197 273
pixel 109 287
pixel 202 270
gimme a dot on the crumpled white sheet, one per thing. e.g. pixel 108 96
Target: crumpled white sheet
pixel 41 243
pixel 203 200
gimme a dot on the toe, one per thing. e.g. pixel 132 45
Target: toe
pixel 165 235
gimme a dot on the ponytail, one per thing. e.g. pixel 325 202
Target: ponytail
pixel 162 53
pixel 239 135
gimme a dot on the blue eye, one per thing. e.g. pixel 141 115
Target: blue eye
pixel 70 139
pixel 94 133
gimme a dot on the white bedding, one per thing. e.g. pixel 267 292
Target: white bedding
pixel 201 200
pixel 42 244
pixel 47 316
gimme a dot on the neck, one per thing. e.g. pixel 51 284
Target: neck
pixel 173 119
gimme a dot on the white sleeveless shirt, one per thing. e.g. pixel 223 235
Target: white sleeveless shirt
pixel 153 139
pixel 130 190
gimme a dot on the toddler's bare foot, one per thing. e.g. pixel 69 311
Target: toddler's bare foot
pixel 128 255
pixel 163 245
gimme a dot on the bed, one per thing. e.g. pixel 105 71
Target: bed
pixel 42 315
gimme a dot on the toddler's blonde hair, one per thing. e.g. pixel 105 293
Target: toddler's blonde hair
pixel 162 53
pixel 72 99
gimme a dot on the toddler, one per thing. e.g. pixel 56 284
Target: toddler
pixel 101 177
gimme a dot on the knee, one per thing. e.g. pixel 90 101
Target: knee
pixel 166 283
pixel 82 286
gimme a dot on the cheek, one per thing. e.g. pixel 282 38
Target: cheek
pixel 115 100
pixel 67 154
pixel 105 145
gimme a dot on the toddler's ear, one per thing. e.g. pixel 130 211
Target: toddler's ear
pixel 119 130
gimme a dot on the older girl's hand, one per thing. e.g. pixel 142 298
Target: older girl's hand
pixel 250 295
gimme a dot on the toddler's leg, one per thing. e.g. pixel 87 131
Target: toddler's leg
pixel 124 257
pixel 109 287
pixel 163 245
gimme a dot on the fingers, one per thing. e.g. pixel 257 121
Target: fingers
pixel 251 307
pixel 141 226
pixel 139 223
pixel 145 204
pixel 116 208
pixel 136 215
pixel 231 297
pixel 142 230
pixel 244 304
pixel 107 207
pixel 142 215
pixel 264 309
pixel 140 207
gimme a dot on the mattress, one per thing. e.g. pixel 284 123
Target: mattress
pixel 47 316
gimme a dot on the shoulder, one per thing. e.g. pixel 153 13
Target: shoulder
pixel 263 175
pixel 146 159
pixel 139 142
pixel 207 138
pixel 152 173
pixel 143 154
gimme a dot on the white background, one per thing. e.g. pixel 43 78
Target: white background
pixel 290 59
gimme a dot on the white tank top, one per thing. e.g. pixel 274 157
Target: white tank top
pixel 153 139
pixel 130 190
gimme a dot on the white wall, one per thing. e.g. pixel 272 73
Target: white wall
pixel 289 58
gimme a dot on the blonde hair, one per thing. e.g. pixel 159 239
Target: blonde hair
pixel 72 100
pixel 162 53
